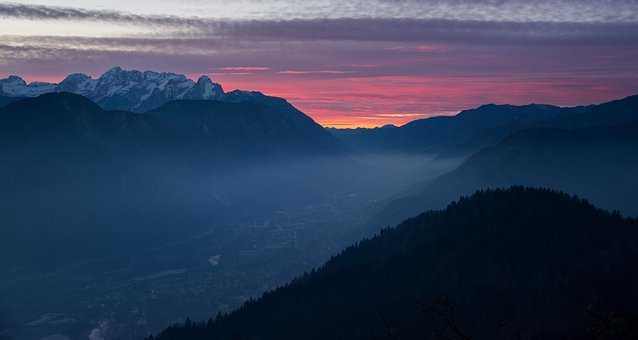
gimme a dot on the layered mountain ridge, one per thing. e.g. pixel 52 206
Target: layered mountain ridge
pixel 471 130
pixel 597 163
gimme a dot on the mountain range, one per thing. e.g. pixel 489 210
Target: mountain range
pixel 474 129
pixel 509 145
pixel 506 144
pixel 501 264
pixel 119 89
pixel 246 125
pixel 447 136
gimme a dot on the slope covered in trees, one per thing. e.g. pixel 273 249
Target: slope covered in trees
pixel 501 264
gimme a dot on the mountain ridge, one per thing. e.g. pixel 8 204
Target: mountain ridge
pixel 254 123
pixel 473 129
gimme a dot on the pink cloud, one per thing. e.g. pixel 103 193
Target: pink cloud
pixel 299 72
pixel 245 68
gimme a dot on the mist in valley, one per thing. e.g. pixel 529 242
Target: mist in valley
pixel 131 244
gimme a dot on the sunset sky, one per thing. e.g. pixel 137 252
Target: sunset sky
pixel 344 62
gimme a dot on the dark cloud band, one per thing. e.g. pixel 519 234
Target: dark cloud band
pixel 366 29
pixel 39 12
pixel 414 30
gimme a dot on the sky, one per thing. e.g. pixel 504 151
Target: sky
pixel 346 63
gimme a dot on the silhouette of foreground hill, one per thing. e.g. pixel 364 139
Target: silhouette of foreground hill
pixel 521 262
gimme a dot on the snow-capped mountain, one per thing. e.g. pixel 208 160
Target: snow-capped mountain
pixel 120 89
pixel 15 86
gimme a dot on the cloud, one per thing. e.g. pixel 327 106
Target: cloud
pixel 277 10
pixel 245 68
pixel 300 72
pixel 40 12
pixel 446 26
pixel 400 115
pixel 443 31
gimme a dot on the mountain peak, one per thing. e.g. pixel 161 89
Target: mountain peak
pixel 15 80
pixel 15 86
pixel 76 77
pixel 205 89
pixel 241 95
pixel 113 71
pixel 76 83
pixel 204 79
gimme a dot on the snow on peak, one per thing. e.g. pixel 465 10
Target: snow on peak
pixel 113 71
pixel 204 79
pixel 120 89
pixel 78 83
pixel 15 80
pixel 14 86
pixel 205 89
